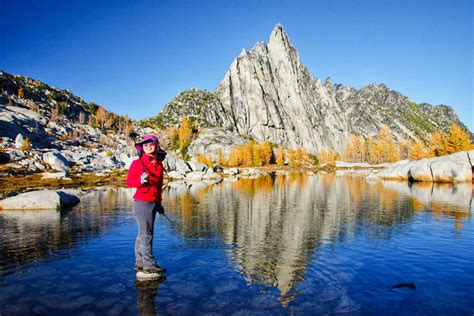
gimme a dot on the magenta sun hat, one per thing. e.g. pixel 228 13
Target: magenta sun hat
pixel 147 139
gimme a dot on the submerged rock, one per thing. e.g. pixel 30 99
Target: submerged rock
pixel 45 199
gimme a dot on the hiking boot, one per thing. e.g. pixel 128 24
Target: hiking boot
pixel 155 269
pixel 149 276
pixel 138 267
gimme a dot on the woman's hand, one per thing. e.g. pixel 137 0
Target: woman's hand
pixel 159 208
pixel 144 178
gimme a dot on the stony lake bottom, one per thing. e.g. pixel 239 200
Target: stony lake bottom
pixel 292 244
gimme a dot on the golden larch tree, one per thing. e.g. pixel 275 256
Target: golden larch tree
pixel 302 156
pixel 292 157
pixel 355 149
pixel 185 132
pixel 221 160
pixel 265 153
pixel 418 150
pixel 404 147
pixel 280 160
pixel 437 144
pixel 386 145
pixel 457 140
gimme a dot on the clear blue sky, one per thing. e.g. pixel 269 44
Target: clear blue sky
pixel 135 56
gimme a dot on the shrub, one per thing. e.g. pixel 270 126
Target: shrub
pixel 26 144
pixel 206 160
pixel 21 94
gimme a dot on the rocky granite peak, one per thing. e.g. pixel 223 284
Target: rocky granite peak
pixel 268 94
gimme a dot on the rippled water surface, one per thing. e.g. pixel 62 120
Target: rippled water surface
pixel 289 245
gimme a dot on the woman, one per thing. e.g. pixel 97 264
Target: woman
pixel 146 174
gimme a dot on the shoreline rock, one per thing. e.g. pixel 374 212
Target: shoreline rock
pixel 39 200
pixel 453 168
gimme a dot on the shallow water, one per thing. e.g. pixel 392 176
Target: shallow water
pixel 289 245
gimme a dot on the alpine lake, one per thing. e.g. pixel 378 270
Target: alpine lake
pixel 289 244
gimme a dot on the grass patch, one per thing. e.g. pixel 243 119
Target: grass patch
pixel 25 183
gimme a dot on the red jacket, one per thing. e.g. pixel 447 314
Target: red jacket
pixel 151 191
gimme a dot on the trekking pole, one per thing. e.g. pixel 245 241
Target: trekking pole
pixel 167 218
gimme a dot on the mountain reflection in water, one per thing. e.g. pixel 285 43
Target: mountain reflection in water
pixel 283 244
pixel 277 223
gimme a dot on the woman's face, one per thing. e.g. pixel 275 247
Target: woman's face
pixel 149 148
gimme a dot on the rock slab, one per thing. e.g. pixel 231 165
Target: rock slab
pixel 40 200
pixel 452 168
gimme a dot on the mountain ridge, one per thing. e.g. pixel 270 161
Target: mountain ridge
pixel 269 94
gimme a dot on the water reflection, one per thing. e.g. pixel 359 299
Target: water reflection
pixel 33 236
pixel 441 199
pixel 277 224
pixel 146 294
pixel 301 239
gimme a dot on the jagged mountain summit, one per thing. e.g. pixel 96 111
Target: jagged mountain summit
pixel 269 94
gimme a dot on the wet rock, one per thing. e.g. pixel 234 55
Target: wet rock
pixel 45 199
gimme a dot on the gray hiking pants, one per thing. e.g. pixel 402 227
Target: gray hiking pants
pixel 145 215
